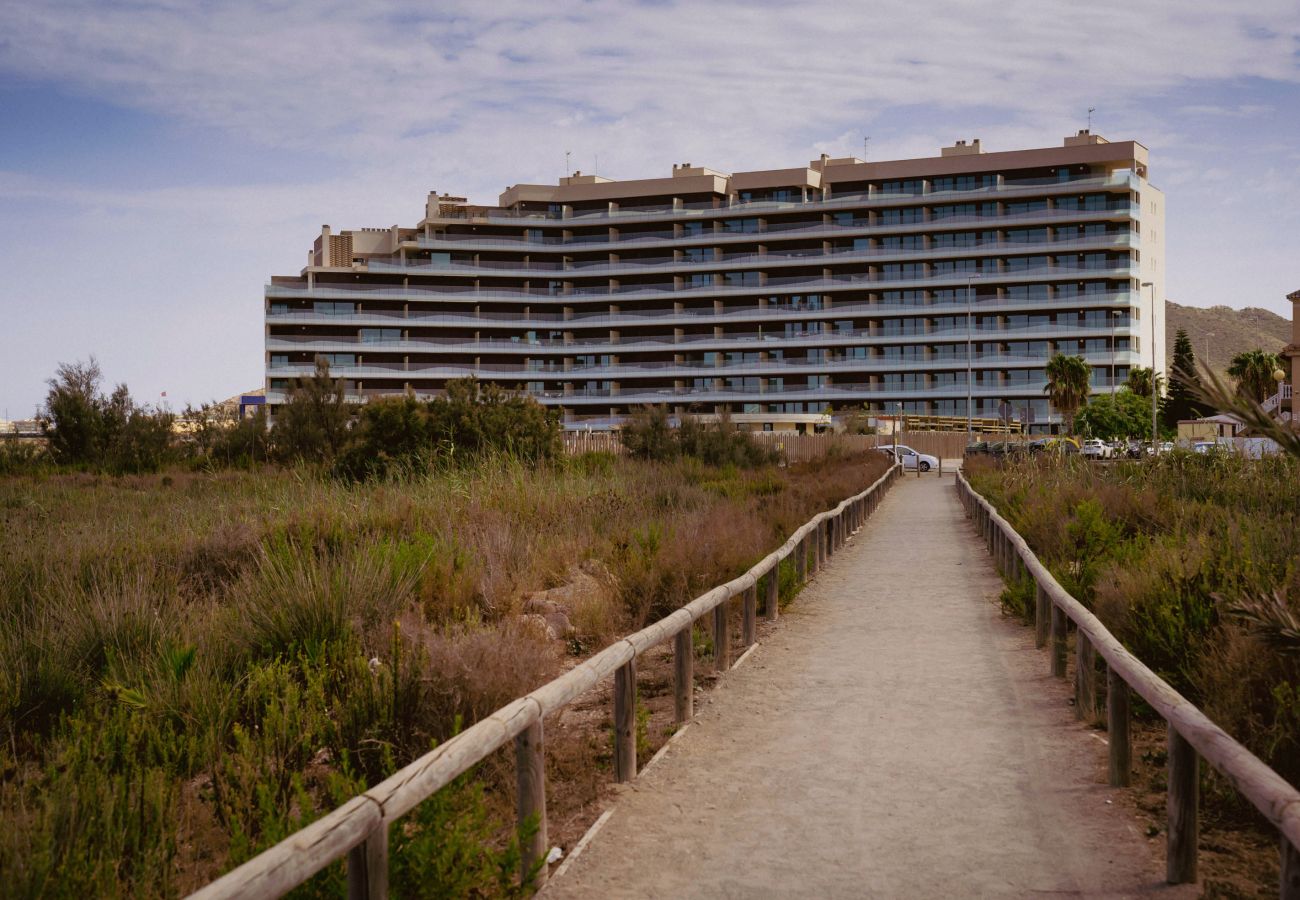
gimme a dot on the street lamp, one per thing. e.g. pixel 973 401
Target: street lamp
pixel 969 396
pixel 1154 435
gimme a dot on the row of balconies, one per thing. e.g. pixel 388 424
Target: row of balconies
pixel 805 310
pixel 733 206
pixel 982 362
pixel 526 243
pixel 1124 268
pixel 628 343
pixel 598 268
pixel 838 394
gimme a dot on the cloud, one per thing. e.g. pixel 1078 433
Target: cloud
pixel 474 92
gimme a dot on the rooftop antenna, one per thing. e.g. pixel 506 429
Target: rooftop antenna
pixel 1091 110
pixel 566 163
pixel 866 139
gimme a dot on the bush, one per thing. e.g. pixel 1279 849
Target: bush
pixel 648 434
pixel 403 434
pixel 1189 560
pixel 85 427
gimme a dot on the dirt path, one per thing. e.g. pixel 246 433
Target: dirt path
pixel 895 737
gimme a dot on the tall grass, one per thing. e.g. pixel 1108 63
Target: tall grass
pixel 1193 562
pixel 193 666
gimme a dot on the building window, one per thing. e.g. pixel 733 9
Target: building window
pixel 379 335
pixel 333 308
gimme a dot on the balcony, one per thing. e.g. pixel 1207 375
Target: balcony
pixel 741 261
pixel 1119 269
pixel 725 207
pixel 774 231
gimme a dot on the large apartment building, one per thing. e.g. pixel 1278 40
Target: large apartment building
pixel 923 286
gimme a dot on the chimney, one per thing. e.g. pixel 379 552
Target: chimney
pixel 962 148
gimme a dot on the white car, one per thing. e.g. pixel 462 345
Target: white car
pixel 1095 449
pixel 911 459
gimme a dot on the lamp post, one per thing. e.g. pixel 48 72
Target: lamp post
pixel 1154 434
pixel 969 395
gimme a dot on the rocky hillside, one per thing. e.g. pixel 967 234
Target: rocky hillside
pixel 1228 331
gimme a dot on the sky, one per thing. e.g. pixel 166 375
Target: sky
pixel 159 161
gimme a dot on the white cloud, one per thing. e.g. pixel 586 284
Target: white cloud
pixel 474 92
pixel 468 96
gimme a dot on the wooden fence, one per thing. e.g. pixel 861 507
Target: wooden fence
pixel 359 828
pixel 1192 736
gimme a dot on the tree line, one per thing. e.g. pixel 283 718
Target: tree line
pixel 87 428
pixel 1126 413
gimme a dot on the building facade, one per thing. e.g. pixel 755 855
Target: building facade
pixel 923 287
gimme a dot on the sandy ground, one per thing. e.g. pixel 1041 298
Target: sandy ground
pixel 894 737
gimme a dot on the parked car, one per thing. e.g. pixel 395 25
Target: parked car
pixel 1095 449
pixel 911 458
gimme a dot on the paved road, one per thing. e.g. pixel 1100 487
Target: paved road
pixel 893 737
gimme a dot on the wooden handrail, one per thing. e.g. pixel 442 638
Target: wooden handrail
pixel 359 828
pixel 1191 732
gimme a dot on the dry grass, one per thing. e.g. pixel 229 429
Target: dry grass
pixel 229 654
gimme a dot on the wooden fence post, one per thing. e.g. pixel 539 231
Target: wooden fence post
pixel 1181 806
pixel 368 866
pixel 1117 722
pixel 684 674
pixel 772 604
pixel 1085 678
pixel 749 626
pixel 1290 882
pixel 530 778
pixel 722 636
pixel 1059 626
pixel 1042 616
pixel 821 545
pixel 625 721
pixel 801 562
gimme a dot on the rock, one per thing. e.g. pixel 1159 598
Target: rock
pixel 538 623
pixel 587 583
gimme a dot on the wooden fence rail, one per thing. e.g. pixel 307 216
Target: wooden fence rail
pixel 359 828
pixel 1192 736
pixel 802 447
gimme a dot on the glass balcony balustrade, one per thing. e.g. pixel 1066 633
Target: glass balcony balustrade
pixel 579 321
pixel 774 231
pixel 1114 269
pixel 733 261
pixel 1033 187
pixel 955 365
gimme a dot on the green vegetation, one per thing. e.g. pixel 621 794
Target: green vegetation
pixel 90 431
pixel 195 664
pixel 1123 414
pixel 1068 379
pixel 1184 386
pixel 1190 560
pixel 649 434
pixel 1255 373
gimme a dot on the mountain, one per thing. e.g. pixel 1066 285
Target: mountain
pixel 1227 332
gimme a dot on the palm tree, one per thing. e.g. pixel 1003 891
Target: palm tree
pixel 1139 381
pixel 1254 370
pixel 1068 385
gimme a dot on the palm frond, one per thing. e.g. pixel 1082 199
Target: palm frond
pixel 1211 390
pixel 1269 618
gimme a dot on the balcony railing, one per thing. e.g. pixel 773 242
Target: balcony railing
pixel 777 230
pixel 734 207
pixel 688 316
pixel 1116 269
pixel 596 268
